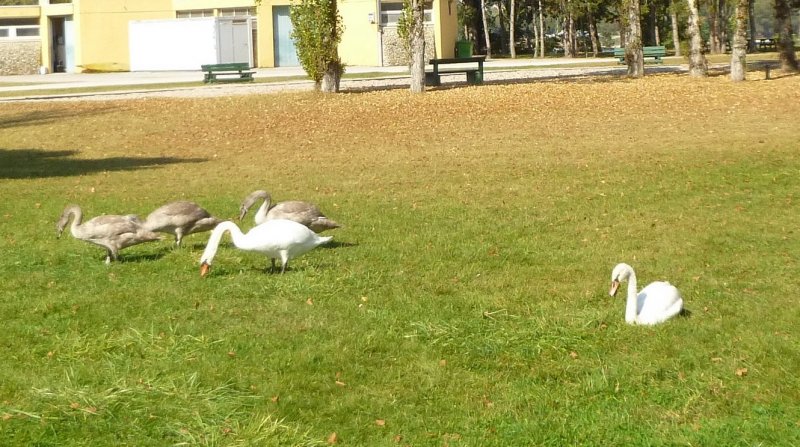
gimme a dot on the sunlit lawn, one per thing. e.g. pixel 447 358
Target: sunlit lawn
pixel 464 302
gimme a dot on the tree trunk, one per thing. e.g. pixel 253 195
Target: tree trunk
pixel 512 46
pixel 485 30
pixel 541 30
pixel 331 78
pixel 714 31
pixel 633 46
pixel 751 20
pixel 417 46
pixel 783 24
pixel 698 66
pixel 676 38
pixel 593 33
pixel 739 48
pixel 568 42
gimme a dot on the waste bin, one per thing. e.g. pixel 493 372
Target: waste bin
pixel 463 48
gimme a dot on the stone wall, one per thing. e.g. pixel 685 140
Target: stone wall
pixel 20 57
pixel 393 51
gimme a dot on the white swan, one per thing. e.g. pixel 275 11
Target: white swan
pixel 279 238
pixel 305 213
pixel 656 303
pixel 111 232
pixel 181 219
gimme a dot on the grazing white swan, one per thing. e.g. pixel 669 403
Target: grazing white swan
pixel 302 212
pixel 279 238
pixel 656 303
pixel 181 219
pixel 110 232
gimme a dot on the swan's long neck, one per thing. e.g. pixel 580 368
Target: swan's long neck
pixel 631 307
pixel 77 219
pixel 261 214
pixel 216 238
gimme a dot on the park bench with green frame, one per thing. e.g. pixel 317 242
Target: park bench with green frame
pixel 656 52
pixel 230 72
pixel 474 73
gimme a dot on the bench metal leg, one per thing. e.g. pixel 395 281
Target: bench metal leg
pixel 433 79
pixel 475 77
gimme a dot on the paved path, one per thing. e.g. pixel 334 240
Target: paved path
pixel 387 77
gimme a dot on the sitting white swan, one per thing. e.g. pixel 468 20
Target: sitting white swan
pixel 656 303
pixel 279 238
pixel 305 213
pixel 181 219
pixel 111 232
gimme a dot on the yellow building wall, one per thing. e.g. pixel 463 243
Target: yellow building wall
pixel 360 43
pixel 101 26
pixel 446 33
pixel 19 12
pixel 266 48
pixel 186 5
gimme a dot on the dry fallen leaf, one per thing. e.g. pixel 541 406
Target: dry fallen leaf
pixel 741 372
pixel 574 355
pixel 333 438
pixel 380 422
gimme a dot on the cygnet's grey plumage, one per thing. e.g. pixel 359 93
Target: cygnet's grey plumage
pixel 304 213
pixel 112 232
pixel 181 218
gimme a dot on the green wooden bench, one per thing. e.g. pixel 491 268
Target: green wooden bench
pixel 655 52
pixel 474 73
pixel 231 72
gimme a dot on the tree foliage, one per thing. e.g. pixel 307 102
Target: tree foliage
pixel 317 32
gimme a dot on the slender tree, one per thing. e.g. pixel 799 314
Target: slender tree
pixel 486 30
pixel 698 66
pixel 739 49
pixel 512 44
pixel 634 55
pixel 783 23
pixel 673 17
pixel 751 20
pixel 541 30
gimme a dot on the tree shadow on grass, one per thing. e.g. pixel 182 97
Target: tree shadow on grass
pixel 37 163
pixel 44 117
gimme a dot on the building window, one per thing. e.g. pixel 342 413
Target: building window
pixel 19 28
pixel 391 12
pixel 237 12
pixel 193 13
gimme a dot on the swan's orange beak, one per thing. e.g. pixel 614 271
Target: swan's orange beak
pixel 204 269
pixel 614 287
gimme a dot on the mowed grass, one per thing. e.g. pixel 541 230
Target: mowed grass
pixel 463 303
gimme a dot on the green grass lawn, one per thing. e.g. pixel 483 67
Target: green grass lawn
pixel 465 300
